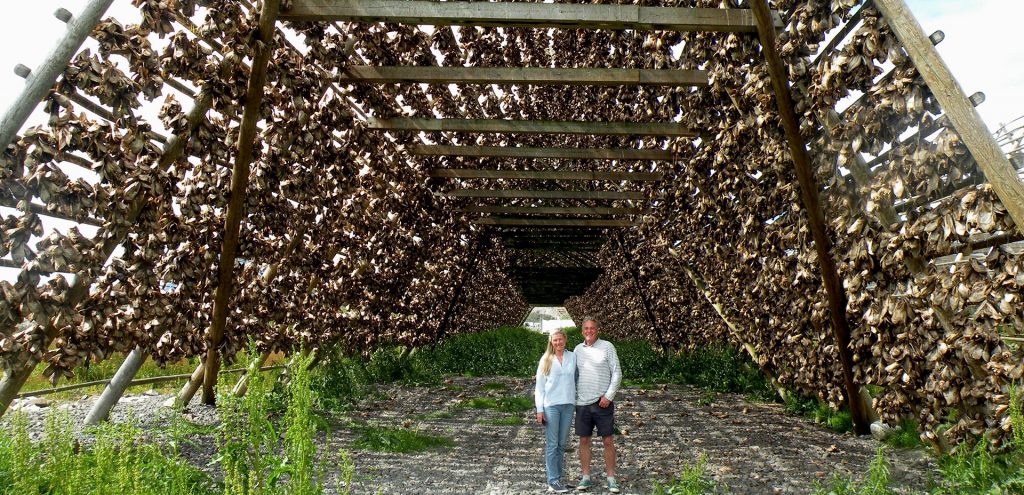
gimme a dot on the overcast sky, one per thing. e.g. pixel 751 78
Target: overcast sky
pixel 983 45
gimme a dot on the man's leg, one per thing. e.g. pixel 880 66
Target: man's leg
pixel 609 455
pixel 585 456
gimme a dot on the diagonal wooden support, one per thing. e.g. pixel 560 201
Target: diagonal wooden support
pixel 118 385
pixel 635 272
pixel 816 217
pixel 239 183
pixel 958 107
pixel 15 377
pixel 41 80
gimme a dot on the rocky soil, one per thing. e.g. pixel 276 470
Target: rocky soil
pixel 749 447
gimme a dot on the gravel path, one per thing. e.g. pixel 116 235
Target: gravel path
pixel 750 447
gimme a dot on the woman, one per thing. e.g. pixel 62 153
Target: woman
pixel 555 396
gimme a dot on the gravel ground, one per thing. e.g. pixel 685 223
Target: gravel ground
pixel 750 447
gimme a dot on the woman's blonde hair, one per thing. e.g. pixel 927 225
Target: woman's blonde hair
pixel 549 354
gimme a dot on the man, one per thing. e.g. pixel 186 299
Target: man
pixel 598 377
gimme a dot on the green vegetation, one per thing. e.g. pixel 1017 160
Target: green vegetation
pixel 115 464
pixel 905 436
pixel 692 480
pixel 839 421
pixel 494 386
pixel 386 439
pixel 875 482
pixel 506 421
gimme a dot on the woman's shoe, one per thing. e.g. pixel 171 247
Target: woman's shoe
pixel 557 487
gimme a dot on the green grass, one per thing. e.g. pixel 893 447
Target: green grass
pixel 692 480
pixel 506 421
pixel 504 404
pixel 400 440
pixel 875 482
pixel 839 421
pixel 494 386
pixel 905 436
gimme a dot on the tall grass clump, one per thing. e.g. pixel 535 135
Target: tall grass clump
pixel 499 352
pixel 306 474
pixel 692 480
pixel 875 482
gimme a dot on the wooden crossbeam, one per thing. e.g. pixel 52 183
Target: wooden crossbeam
pixel 533 194
pixel 491 126
pixel 524 152
pixel 556 222
pixel 557 15
pixel 472 173
pixel 524 75
pixel 554 210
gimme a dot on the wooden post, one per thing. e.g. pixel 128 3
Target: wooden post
pixel 115 389
pixel 189 389
pixel 42 79
pixel 815 215
pixel 957 106
pixel 239 184
pixel 243 382
pixel 16 376
pixel 635 272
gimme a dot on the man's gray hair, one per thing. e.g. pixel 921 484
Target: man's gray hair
pixel 588 318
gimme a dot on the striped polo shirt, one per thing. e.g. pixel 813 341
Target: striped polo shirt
pixel 598 372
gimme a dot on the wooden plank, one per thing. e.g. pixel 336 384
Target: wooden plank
pixel 554 210
pixel 957 106
pixel 533 194
pixel 473 173
pixel 556 222
pixel 525 152
pixel 524 75
pixel 556 15
pixel 263 47
pixel 491 126
pixel 815 214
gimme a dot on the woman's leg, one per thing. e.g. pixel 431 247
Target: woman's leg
pixel 564 423
pixel 551 453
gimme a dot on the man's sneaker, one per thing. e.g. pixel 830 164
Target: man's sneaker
pixel 613 487
pixel 557 487
pixel 584 484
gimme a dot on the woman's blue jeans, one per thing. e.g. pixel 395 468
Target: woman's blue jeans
pixel 556 433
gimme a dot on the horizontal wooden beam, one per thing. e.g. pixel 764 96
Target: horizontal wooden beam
pixel 473 173
pixel 556 222
pixel 556 15
pixel 525 75
pixel 524 152
pixel 533 194
pixel 554 210
pixel 491 126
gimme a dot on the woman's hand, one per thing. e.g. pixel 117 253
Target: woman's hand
pixel 540 418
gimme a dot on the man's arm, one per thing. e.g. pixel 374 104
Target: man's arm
pixel 613 360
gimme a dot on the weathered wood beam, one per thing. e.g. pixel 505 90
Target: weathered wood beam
pixel 236 205
pixel 492 126
pixel 524 152
pixel 954 101
pixel 116 387
pixel 556 222
pixel 556 15
pixel 554 210
pixel 524 75
pixel 42 79
pixel 533 194
pixel 815 214
pixel 473 173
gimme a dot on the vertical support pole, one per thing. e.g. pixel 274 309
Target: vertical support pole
pixel 442 329
pixel 42 79
pixel 239 183
pixel 115 389
pixel 635 272
pixel 958 107
pixel 815 215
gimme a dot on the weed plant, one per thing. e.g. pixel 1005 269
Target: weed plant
pixel 875 482
pixel 692 480
pixel 839 421
pixel 512 404
pixel 905 436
